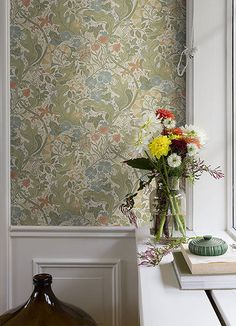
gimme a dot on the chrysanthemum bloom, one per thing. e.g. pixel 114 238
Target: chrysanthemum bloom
pixel 174 160
pixel 192 149
pixel 179 146
pixel 177 131
pixel 164 114
pixel 150 124
pixel 195 132
pixel 169 123
pixel 159 146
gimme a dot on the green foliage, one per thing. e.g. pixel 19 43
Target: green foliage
pixel 140 163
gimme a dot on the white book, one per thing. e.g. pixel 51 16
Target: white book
pixel 189 281
pixel 223 264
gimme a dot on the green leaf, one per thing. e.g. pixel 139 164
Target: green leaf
pixel 140 163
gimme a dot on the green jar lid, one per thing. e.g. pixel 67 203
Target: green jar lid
pixel 208 246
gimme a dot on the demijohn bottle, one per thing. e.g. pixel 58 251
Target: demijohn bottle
pixel 44 309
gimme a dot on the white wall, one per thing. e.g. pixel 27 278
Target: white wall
pixel 209 84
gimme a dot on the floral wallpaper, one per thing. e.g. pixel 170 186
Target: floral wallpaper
pixel 82 72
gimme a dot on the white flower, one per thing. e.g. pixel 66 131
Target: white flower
pixel 174 160
pixel 141 143
pixel 193 131
pixel 192 149
pixel 169 123
pixel 150 124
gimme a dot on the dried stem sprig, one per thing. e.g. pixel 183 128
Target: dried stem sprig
pixel 196 167
pixel 153 254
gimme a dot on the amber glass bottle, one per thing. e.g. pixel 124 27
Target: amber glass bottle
pixel 44 309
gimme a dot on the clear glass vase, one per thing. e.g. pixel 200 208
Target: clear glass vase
pixel 168 210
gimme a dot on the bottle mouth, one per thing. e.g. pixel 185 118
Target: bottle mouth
pixel 42 279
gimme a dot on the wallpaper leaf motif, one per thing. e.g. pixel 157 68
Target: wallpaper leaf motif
pixel 82 72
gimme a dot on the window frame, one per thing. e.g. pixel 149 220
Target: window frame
pixel 231 117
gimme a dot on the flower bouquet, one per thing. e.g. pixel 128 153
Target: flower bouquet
pixel 170 155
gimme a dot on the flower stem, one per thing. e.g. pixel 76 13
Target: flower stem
pixel 173 202
pixel 162 222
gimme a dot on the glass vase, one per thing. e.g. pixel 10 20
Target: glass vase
pixel 168 210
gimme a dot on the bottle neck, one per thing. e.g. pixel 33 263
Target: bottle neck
pixel 42 289
pixel 44 294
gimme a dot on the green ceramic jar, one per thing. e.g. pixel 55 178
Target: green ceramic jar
pixel 208 246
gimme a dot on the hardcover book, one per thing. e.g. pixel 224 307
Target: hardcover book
pixel 224 264
pixel 189 281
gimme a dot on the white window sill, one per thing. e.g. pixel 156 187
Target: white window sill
pixel 163 303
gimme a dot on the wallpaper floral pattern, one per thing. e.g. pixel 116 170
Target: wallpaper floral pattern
pixel 82 72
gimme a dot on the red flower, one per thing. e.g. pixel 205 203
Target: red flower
pixel 164 114
pixel 179 146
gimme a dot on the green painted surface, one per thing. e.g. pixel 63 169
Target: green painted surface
pixel 81 72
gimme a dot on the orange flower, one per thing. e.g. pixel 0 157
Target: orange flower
pixel 116 47
pixel 95 46
pixel 191 140
pixel 103 38
pixel 135 66
pixel 44 111
pixel 44 21
pixel 26 92
pixel 103 219
pixel 164 114
pixel 103 130
pixel 95 137
pixel 177 131
pixel 44 201
pixel 116 138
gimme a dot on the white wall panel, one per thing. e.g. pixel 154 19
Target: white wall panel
pixel 97 273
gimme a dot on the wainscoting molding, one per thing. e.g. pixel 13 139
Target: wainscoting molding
pixel 100 275
pixel 71 232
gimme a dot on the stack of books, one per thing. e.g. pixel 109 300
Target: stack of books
pixel 205 272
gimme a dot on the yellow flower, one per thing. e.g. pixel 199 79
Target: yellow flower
pixel 159 146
